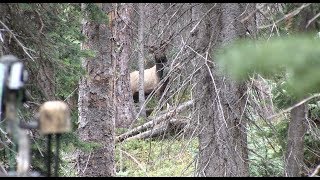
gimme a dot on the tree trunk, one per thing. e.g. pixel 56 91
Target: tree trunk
pixel 96 123
pixel 294 154
pixel 121 51
pixel 297 126
pixel 220 102
pixel 141 60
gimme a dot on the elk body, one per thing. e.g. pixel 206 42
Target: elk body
pixel 152 78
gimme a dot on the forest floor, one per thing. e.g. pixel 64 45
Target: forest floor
pixel 167 157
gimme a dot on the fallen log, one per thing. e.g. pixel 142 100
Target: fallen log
pixel 154 121
pixel 148 134
pixel 160 129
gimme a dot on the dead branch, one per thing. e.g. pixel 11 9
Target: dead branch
pixel 294 106
pixel 25 49
pixel 150 133
pixel 289 15
pixel 316 171
pixel 154 121
pixel 160 129
pixel 311 20
pixel 252 13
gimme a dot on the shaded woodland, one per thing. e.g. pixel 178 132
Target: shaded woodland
pixel 171 89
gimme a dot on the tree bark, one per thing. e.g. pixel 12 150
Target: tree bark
pixel 294 156
pixel 121 51
pixel 141 60
pixel 96 109
pixel 295 142
pixel 220 102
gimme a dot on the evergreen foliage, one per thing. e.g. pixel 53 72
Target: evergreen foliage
pixel 293 63
pixel 296 59
pixel 51 34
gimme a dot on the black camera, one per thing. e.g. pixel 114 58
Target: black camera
pixel 13 76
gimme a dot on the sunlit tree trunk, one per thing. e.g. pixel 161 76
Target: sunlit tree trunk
pixel 141 59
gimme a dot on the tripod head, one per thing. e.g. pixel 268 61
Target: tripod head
pixel 54 119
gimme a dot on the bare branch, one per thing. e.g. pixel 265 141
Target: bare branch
pixel 289 15
pixel 155 121
pixel 311 20
pixel 316 171
pixel 296 105
pixel 252 13
pixel 157 130
pixel 14 36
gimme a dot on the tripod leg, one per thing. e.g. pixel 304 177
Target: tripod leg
pixel 56 159
pixel 49 155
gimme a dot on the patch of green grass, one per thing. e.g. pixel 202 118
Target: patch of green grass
pixel 156 158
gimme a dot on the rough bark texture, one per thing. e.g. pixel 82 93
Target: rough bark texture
pixel 141 59
pixel 96 123
pixel 121 51
pixel 295 142
pixel 297 126
pixel 219 101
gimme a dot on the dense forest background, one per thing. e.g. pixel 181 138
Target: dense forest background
pixel 227 89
